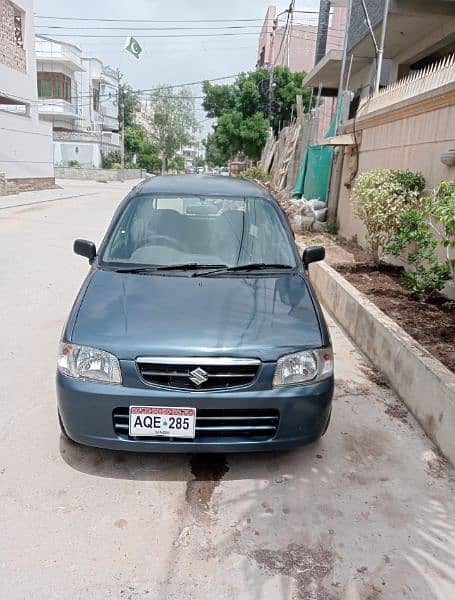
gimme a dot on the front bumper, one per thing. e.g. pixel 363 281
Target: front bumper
pixel 86 409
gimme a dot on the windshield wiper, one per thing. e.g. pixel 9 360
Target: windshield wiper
pixel 156 268
pixel 247 267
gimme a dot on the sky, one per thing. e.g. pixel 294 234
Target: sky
pixel 165 60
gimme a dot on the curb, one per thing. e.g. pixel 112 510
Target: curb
pixel 424 384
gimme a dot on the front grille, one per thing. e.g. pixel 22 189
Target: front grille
pixel 217 373
pixel 249 425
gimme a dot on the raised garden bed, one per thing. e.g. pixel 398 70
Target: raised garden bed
pixel 431 323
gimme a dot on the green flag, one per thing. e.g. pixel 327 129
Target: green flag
pixel 132 45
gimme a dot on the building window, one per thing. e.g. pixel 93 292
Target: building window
pixel 96 99
pixel 54 85
pixel 18 37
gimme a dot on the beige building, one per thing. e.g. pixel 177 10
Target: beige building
pixel 296 47
pixel 410 123
pixel 26 142
pixel 302 38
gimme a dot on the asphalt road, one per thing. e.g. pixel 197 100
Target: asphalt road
pixel 365 514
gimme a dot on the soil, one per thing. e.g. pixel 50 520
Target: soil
pixel 430 322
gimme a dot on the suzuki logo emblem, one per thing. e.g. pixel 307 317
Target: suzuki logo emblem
pixel 198 376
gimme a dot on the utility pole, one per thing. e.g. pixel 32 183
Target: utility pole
pixel 121 114
pixel 272 66
pixel 381 47
pixel 272 56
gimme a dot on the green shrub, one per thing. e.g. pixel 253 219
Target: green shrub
pixel 109 160
pixel 379 198
pixel 150 162
pixel 73 163
pixel 442 210
pixel 254 173
pixel 426 279
pixel 333 227
pixel 410 180
pixel 416 243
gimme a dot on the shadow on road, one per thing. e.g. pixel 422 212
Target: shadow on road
pixel 175 467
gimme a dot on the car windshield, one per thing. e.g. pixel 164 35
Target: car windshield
pixel 159 231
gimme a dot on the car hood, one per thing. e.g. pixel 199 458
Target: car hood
pixel 134 315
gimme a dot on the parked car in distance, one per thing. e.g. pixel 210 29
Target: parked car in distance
pixel 224 171
pixel 196 328
pixel 190 170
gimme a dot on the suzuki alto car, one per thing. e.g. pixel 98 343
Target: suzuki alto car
pixel 196 328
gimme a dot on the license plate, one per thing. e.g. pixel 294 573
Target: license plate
pixel 162 421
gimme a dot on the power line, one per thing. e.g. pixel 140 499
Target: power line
pixel 197 28
pixel 173 36
pixel 169 35
pixel 169 87
pixel 103 28
pixel 135 20
pixel 155 89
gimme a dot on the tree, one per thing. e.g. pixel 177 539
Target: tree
pixel 174 121
pixel 214 156
pixel 129 104
pixel 148 159
pixel 199 162
pixel 177 163
pixel 243 108
pixel 135 139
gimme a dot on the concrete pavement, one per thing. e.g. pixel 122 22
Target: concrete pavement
pixel 64 190
pixel 366 513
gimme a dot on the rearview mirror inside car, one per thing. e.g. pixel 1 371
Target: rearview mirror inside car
pixel 85 248
pixel 313 254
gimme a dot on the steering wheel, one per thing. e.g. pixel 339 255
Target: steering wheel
pixel 172 242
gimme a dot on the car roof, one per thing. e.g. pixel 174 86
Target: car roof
pixel 201 185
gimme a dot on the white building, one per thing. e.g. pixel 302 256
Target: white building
pixel 98 92
pixel 144 115
pixel 192 153
pixel 26 142
pixel 79 96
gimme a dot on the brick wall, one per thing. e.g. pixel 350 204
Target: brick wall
pixel 30 184
pixel 12 53
pixel 95 174
pixel 358 27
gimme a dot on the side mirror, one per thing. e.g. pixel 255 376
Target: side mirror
pixel 85 248
pixel 313 254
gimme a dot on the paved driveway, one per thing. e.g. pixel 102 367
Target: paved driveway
pixel 367 513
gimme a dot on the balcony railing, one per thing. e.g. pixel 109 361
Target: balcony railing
pixel 57 108
pixel 425 80
pixel 49 51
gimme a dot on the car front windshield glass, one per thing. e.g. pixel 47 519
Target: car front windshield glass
pixel 163 231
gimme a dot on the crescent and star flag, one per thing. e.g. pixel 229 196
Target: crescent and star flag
pixel 133 46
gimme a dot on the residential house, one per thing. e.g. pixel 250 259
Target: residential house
pixel 296 45
pixel 410 122
pixel 79 96
pixel 26 143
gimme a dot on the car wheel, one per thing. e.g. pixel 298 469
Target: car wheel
pixel 327 424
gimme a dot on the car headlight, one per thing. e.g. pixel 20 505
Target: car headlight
pixel 84 362
pixel 302 367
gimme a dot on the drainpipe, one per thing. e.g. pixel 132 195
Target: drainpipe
pixel 323 28
pixel 381 46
